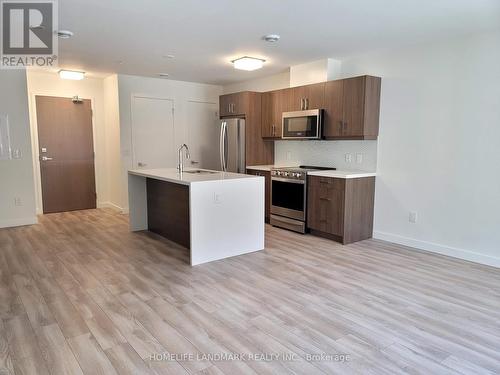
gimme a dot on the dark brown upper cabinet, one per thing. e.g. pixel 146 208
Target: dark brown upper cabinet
pixel 233 104
pixel 308 97
pixel 352 108
pixel 302 98
pixel 272 109
pixel 248 105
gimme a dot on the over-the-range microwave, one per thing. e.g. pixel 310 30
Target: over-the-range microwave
pixel 302 124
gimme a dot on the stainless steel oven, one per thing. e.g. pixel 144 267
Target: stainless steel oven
pixel 302 124
pixel 289 197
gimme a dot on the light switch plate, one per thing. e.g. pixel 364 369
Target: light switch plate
pixel 348 158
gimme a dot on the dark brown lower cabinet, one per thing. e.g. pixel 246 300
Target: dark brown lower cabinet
pixel 267 175
pixel 341 209
pixel 168 210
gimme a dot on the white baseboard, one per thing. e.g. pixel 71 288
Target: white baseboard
pixel 109 205
pixel 439 249
pixel 18 222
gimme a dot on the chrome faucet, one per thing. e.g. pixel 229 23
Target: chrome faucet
pixel 180 165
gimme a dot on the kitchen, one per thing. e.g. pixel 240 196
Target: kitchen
pixel 223 188
pixel 324 201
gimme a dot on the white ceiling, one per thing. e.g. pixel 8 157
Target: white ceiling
pixel 205 35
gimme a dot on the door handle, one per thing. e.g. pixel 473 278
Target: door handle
pixel 45 158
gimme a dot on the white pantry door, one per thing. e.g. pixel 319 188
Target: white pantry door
pixel 203 135
pixel 153 133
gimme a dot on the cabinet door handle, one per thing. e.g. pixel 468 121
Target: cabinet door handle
pixel 274 131
pixel 306 103
pixel 326 199
pixel 301 104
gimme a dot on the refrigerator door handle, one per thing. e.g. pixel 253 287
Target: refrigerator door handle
pixel 226 144
pixel 221 145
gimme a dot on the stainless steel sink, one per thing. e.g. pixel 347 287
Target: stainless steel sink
pixel 199 171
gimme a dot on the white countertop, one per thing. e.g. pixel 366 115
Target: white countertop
pixel 172 175
pixel 328 173
pixel 342 174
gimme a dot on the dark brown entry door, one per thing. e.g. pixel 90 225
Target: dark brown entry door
pixel 66 151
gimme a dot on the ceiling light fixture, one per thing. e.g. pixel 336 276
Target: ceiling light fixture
pixel 271 38
pixel 65 34
pixel 248 63
pixel 71 74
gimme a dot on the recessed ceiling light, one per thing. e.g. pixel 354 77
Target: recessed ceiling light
pixel 65 34
pixel 271 38
pixel 71 74
pixel 163 75
pixel 248 63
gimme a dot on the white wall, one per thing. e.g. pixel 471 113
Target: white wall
pixel 274 82
pixel 112 141
pixel 16 176
pixel 180 92
pixel 438 152
pixel 49 84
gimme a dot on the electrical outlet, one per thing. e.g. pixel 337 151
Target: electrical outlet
pixel 412 217
pixel 18 202
pixel 359 158
pixel 16 154
pixel 348 158
pixel 288 155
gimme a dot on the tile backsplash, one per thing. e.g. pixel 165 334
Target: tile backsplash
pixel 363 154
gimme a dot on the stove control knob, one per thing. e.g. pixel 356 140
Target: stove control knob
pixel 285 174
pixel 298 175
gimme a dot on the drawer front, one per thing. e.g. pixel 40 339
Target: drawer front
pixel 326 204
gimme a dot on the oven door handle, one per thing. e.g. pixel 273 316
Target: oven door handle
pixel 288 180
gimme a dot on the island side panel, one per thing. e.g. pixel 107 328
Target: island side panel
pixel 227 218
pixel 168 210
pixel 137 203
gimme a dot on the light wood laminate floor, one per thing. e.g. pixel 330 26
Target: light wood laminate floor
pixel 80 294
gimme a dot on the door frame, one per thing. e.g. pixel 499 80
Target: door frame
pixel 133 96
pixel 37 174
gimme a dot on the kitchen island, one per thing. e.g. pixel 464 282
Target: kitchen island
pixel 214 214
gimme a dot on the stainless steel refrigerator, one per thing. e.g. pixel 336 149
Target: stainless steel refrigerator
pixel 232 145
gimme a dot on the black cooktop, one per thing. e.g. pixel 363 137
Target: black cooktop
pixel 317 168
